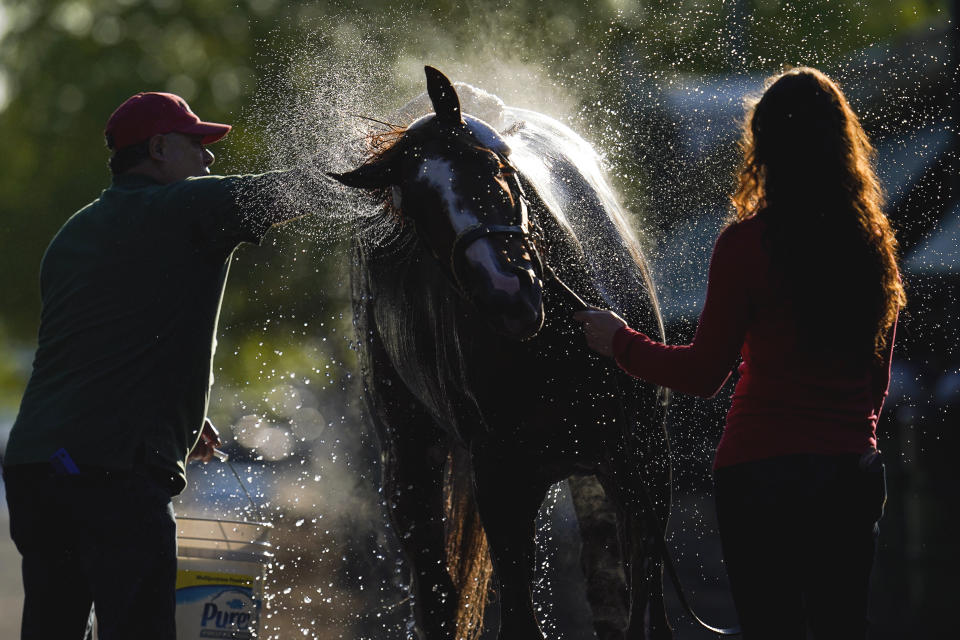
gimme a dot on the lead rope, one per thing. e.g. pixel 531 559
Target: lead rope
pixel 647 500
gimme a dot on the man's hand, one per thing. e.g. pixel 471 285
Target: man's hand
pixel 599 325
pixel 209 440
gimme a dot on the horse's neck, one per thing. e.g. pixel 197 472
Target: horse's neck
pixel 560 250
pixel 420 322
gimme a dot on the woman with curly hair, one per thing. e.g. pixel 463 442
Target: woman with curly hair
pixel 804 287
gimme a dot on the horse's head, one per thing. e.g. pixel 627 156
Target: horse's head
pixel 450 174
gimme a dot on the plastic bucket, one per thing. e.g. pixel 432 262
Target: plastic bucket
pixel 220 574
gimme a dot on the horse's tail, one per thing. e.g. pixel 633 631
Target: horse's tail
pixel 468 559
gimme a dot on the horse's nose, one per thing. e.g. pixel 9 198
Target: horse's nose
pixel 523 317
pixel 506 282
pixel 528 282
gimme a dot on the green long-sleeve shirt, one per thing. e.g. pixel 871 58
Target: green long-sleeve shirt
pixel 131 288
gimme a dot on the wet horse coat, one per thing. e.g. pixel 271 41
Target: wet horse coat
pixel 477 380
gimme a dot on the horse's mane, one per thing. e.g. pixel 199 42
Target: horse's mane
pixel 382 226
pixel 569 177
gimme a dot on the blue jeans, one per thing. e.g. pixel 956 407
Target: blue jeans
pixel 799 538
pixel 107 539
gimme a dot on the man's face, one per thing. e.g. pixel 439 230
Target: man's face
pixel 184 156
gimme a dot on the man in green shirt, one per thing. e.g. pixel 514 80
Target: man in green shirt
pixel 131 288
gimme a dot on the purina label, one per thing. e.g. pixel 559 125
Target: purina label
pixel 216 605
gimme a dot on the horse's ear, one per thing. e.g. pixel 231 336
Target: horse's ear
pixel 373 175
pixel 446 104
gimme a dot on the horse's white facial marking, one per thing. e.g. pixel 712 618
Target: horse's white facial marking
pixel 482 254
pixel 397 199
pixel 439 175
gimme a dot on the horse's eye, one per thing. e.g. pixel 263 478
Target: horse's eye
pixel 492 163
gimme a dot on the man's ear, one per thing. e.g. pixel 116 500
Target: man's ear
pixel 156 146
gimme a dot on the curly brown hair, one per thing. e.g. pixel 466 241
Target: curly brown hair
pixel 808 171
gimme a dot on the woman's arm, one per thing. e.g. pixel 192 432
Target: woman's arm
pixel 701 367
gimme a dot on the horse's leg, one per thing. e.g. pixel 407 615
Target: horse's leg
pixel 414 488
pixel 647 619
pixel 413 454
pixel 602 558
pixel 627 479
pixel 509 497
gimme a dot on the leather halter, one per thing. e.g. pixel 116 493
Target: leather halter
pixel 479 230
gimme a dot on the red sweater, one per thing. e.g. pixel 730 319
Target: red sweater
pixel 787 401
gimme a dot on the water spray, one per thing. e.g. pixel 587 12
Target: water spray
pixel 224 457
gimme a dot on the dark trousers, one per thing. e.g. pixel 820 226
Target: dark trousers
pixel 107 539
pixel 799 539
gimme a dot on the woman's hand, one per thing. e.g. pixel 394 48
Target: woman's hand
pixel 599 326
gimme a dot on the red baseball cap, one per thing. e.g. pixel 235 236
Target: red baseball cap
pixel 147 114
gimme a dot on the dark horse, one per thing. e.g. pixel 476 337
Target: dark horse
pixel 478 382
